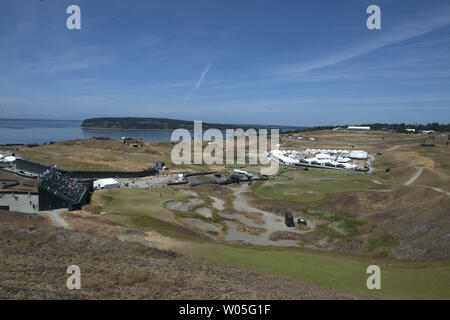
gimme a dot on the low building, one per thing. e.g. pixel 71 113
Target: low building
pixel 106 184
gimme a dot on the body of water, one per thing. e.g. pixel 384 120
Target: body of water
pixel 25 131
pixel 41 131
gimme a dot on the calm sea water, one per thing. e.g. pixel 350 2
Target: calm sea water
pixel 40 131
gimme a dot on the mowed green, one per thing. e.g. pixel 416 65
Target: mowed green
pixel 140 208
pixel 399 280
pixel 317 192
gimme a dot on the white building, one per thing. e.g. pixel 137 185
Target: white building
pixel 357 128
pixel 106 184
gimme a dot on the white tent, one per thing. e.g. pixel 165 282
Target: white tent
pixel 279 156
pixel 9 159
pixel 106 184
pixel 323 156
pixel 359 154
pixel 1 156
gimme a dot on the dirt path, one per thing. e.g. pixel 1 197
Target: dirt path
pixel 435 189
pixel 414 177
pixel 56 219
pixel 393 148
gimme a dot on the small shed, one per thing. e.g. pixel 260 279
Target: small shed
pixel 160 165
pixel 289 220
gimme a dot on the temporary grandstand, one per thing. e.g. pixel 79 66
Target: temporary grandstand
pixel 57 190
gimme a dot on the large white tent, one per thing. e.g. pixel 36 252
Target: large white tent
pixel 106 184
pixel 8 159
pixel 359 154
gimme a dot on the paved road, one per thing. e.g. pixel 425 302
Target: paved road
pixel 145 183
pixel 20 202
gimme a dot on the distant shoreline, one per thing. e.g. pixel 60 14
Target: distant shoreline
pixel 99 128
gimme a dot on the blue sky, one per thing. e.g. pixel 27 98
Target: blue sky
pixel 263 62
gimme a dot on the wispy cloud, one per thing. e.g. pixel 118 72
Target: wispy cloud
pixel 418 27
pixel 198 83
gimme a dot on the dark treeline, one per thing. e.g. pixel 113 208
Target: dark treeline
pixel 396 127
pixel 134 123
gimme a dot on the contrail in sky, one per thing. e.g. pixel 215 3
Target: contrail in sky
pixel 198 83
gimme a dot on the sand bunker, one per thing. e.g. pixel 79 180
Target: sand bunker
pixel 183 206
pixel 272 223
pixel 218 203
pixel 204 211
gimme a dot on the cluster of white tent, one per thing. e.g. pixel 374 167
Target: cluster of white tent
pixel 284 157
pixel 322 157
pixel 329 151
pixel 7 159
pixel 341 163
pixel 326 153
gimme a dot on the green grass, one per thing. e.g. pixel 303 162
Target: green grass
pixel 384 240
pixel 165 228
pixel 318 192
pixel 399 280
pixel 144 209
pixel 288 174
pixel 385 164
pixel 340 226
